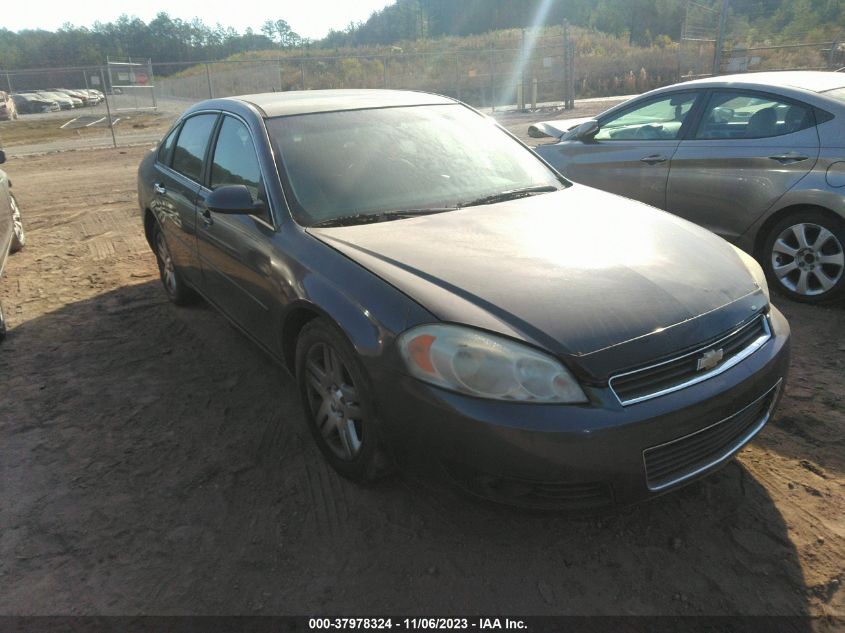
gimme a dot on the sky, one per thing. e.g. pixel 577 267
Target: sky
pixel 309 18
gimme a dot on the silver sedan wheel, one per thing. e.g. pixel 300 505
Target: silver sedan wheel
pixel 334 401
pixel 17 225
pixel 168 272
pixel 808 259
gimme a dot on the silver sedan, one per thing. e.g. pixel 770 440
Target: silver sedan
pixel 758 159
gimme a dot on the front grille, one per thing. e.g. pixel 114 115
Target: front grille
pixel 677 373
pixel 685 457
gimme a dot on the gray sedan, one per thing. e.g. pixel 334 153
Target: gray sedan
pixel 758 159
pixel 426 279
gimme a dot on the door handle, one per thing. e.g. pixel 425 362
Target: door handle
pixel 206 217
pixel 790 157
pixel 159 189
pixel 654 159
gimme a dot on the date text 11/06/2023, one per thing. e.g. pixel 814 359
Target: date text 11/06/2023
pixel 436 624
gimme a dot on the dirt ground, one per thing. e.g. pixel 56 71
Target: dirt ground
pixel 154 462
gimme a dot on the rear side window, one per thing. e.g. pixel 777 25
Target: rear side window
pixel 190 147
pixel 165 147
pixel 738 115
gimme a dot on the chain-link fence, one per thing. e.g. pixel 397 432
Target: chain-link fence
pixel 68 108
pixel 539 71
pixel 715 40
pixel 141 98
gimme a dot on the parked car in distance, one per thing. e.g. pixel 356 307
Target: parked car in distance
pixel 447 301
pixel 8 111
pixel 757 158
pixel 83 97
pixel 30 103
pixel 12 236
pixel 65 102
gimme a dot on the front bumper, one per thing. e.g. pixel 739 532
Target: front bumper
pixel 581 456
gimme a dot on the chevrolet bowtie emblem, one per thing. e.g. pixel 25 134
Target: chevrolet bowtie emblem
pixel 709 359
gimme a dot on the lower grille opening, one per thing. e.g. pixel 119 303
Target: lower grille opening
pixel 680 459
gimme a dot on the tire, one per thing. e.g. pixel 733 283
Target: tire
pixel 2 324
pixel 338 403
pixel 177 291
pixel 18 233
pixel 804 257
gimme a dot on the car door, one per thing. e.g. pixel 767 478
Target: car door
pixel 178 174
pixel 748 149
pixel 631 152
pixel 234 249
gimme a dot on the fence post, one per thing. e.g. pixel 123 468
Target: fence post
pixel 720 38
pixel 108 108
pixel 9 81
pixel 523 60
pixel 570 77
pixel 301 74
pixel 831 59
pixel 457 76
pixel 566 64
pixel 208 79
pixel 152 82
pixel 492 78
pixel 534 93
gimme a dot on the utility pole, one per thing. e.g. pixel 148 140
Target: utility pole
pixel 720 38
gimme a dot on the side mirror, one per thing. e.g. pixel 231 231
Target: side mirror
pixel 587 130
pixel 2 157
pixel 230 199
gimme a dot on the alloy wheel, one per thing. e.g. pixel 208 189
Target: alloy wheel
pixel 334 401
pixel 17 225
pixel 168 271
pixel 808 259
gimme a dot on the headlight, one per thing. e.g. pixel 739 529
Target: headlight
pixel 486 366
pixel 755 270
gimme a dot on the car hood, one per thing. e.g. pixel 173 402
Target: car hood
pixel 574 271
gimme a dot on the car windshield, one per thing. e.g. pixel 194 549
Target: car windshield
pixel 361 164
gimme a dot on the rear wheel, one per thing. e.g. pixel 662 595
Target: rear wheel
pixel 18 234
pixel 338 404
pixel 177 291
pixel 804 257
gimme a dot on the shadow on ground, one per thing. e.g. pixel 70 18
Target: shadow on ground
pixel 155 462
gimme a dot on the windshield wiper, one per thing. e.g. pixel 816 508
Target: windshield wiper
pixel 384 216
pixel 510 194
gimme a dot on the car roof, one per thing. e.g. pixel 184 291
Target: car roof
pixel 811 80
pixel 272 104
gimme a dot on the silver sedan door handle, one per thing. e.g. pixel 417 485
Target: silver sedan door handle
pixel 159 189
pixel 654 159
pixel 789 157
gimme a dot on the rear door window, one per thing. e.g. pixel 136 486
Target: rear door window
pixel 189 152
pixel 164 149
pixel 743 115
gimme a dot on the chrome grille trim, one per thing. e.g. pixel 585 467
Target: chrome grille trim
pixel 702 376
pixel 729 451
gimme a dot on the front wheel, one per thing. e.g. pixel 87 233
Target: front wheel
pixel 804 257
pixel 18 234
pixel 338 404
